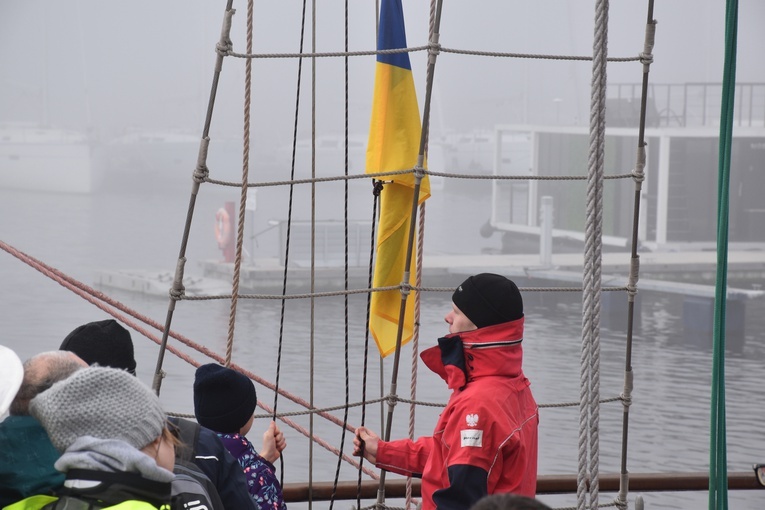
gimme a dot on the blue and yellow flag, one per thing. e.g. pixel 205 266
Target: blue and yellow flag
pixel 394 143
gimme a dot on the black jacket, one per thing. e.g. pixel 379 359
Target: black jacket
pixel 209 454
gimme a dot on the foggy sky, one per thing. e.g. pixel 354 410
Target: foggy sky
pixel 110 66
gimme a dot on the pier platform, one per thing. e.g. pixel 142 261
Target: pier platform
pixel 158 283
pixel 690 274
pixel 679 272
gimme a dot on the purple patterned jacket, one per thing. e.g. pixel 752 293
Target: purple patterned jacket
pixel 262 483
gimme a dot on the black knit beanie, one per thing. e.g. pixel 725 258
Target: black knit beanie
pixel 489 299
pixel 104 342
pixel 224 399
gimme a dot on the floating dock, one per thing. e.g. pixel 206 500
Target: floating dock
pixel 690 274
pixel 678 272
pixel 158 283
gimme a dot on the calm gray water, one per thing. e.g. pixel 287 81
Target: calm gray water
pixel 669 419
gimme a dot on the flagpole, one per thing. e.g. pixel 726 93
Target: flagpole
pixel 405 286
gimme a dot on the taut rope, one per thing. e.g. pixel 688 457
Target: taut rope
pixel 424 171
pixel 589 410
pixel 243 193
pixel 428 47
pixel 345 280
pixel 419 174
pixel 639 176
pixel 198 176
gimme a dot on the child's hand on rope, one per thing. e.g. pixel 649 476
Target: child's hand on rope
pixel 281 442
pixel 273 443
pixel 365 442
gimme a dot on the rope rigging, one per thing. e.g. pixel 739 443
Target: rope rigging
pixel 346 360
pixel 589 410
pixel 370 290
pixel 592 288
pixel 433 47
pixel 639 175
pixel 424 171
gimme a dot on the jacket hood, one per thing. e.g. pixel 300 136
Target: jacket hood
pixel 491 351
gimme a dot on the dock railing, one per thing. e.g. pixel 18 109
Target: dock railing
pixel 546 484
pixel 685 104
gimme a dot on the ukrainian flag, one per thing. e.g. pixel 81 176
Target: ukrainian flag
pixel 394 143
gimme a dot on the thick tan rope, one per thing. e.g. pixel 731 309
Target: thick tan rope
pixel 243 194
pixel 415 341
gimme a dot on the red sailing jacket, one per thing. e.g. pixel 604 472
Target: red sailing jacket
pixel 485 441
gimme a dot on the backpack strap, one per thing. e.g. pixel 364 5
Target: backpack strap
pixel 187 433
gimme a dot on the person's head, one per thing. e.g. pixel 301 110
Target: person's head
pixel 224 399
pixel 484 300
pixel 104 342
pixel 40 373
pixel 508 502
pixel 105 403
pixel 11 375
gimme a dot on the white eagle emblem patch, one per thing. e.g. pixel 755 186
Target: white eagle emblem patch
pixel 472 420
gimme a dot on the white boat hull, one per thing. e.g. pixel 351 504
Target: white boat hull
pixel 45 160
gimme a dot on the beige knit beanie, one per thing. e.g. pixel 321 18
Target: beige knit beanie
pixel 105 403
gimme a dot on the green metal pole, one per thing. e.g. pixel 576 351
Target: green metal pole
pixel 718 469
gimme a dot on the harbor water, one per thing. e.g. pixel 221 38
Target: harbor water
pixel 669 418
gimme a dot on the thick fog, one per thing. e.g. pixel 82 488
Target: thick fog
pixel 132 78
pixel 112 67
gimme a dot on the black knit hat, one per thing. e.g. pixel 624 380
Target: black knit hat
pixel 104 342
pixel 224 399
pixel 489 299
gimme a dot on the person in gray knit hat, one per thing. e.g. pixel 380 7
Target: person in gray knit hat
pixel 201 454
pixel 102 403
pixel 115 443
pixel 26 453
pixel 485 441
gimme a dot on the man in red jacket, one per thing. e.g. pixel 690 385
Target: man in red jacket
pixel 485 441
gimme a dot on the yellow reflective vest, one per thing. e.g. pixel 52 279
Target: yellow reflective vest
pixel 40 502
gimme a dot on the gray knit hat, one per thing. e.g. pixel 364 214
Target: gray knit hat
pixel 101 402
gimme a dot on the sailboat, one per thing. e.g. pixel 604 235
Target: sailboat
pixel 44 159
pixel 40 151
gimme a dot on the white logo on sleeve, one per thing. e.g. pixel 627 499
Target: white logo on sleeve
pixel 472 420
pixel 471 437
